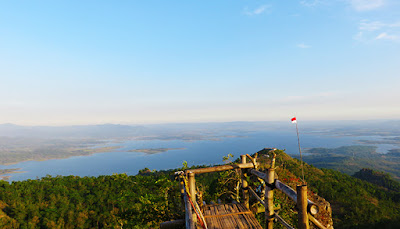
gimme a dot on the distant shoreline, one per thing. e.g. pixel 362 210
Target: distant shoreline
pixel 154 150
pixel 73 153
pixel 8 171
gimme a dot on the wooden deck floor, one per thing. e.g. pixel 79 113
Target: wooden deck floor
pixel 227 216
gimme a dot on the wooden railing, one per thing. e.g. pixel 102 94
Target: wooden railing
pixel 305 207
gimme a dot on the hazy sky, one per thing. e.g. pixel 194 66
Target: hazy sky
pixel 88 62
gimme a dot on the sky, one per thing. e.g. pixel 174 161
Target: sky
pixel 135 62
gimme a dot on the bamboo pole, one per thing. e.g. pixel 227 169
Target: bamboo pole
pixel 282 221
pixel 245 185
pixel 311 206
pixel 253 160
pixel 182 190
pixel 259 174
pixel 269 203
pixel 192 187
pixel 256 196
pixel 188 211
pixel 302 206
pixel 316 222
pixel 192 192
pixel 221 168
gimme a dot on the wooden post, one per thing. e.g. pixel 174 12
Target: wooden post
pixel 192 192
pixel 192 187
pixel 269 204
pixel 182 191
pixel 302 206
pixel 245 185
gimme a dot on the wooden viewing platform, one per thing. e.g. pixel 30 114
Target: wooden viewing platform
pixel 229 216
pixel 238 215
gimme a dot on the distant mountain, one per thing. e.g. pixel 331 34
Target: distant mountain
pixel 78 131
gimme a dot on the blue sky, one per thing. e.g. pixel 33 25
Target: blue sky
pixel 89 62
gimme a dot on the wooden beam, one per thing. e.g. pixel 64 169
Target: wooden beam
pixel 220 168
pixel 311 206
pixel 253 160
pixel 256 196
pixel 287 190
pixel 259 174
pixel 316 222
pixel 245 185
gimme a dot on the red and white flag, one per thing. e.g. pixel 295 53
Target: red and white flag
pixel 294 120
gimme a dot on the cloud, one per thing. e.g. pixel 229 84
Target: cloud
pixel 303 46
pixel 311 3
pixel 371 26
pixel 377 25
pixel 366 5
pixel 377 30
pixel 259 10
pixel 385 36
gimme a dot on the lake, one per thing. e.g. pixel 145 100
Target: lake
pixel 196 152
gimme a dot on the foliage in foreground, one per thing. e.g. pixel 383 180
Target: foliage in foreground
pixel 89 202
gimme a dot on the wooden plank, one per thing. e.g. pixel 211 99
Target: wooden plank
pixel 233 219
pixel 224 214
pixel 251 220
pixel 227 216
pixel 220 168
pixel 239 219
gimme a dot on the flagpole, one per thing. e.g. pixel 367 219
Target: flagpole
pixel 301 157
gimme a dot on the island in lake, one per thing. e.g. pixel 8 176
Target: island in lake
pixel 7 171
pixel 154 150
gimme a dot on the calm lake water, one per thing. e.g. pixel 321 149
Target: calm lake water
pixel 194 152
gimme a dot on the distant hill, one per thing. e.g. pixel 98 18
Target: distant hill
pixel 351 159
pixel 378 178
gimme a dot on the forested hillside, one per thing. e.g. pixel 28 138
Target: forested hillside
pixel 145 200
pixel 351 159
pixel 89 202
pixel 379 178
pixel 355 203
